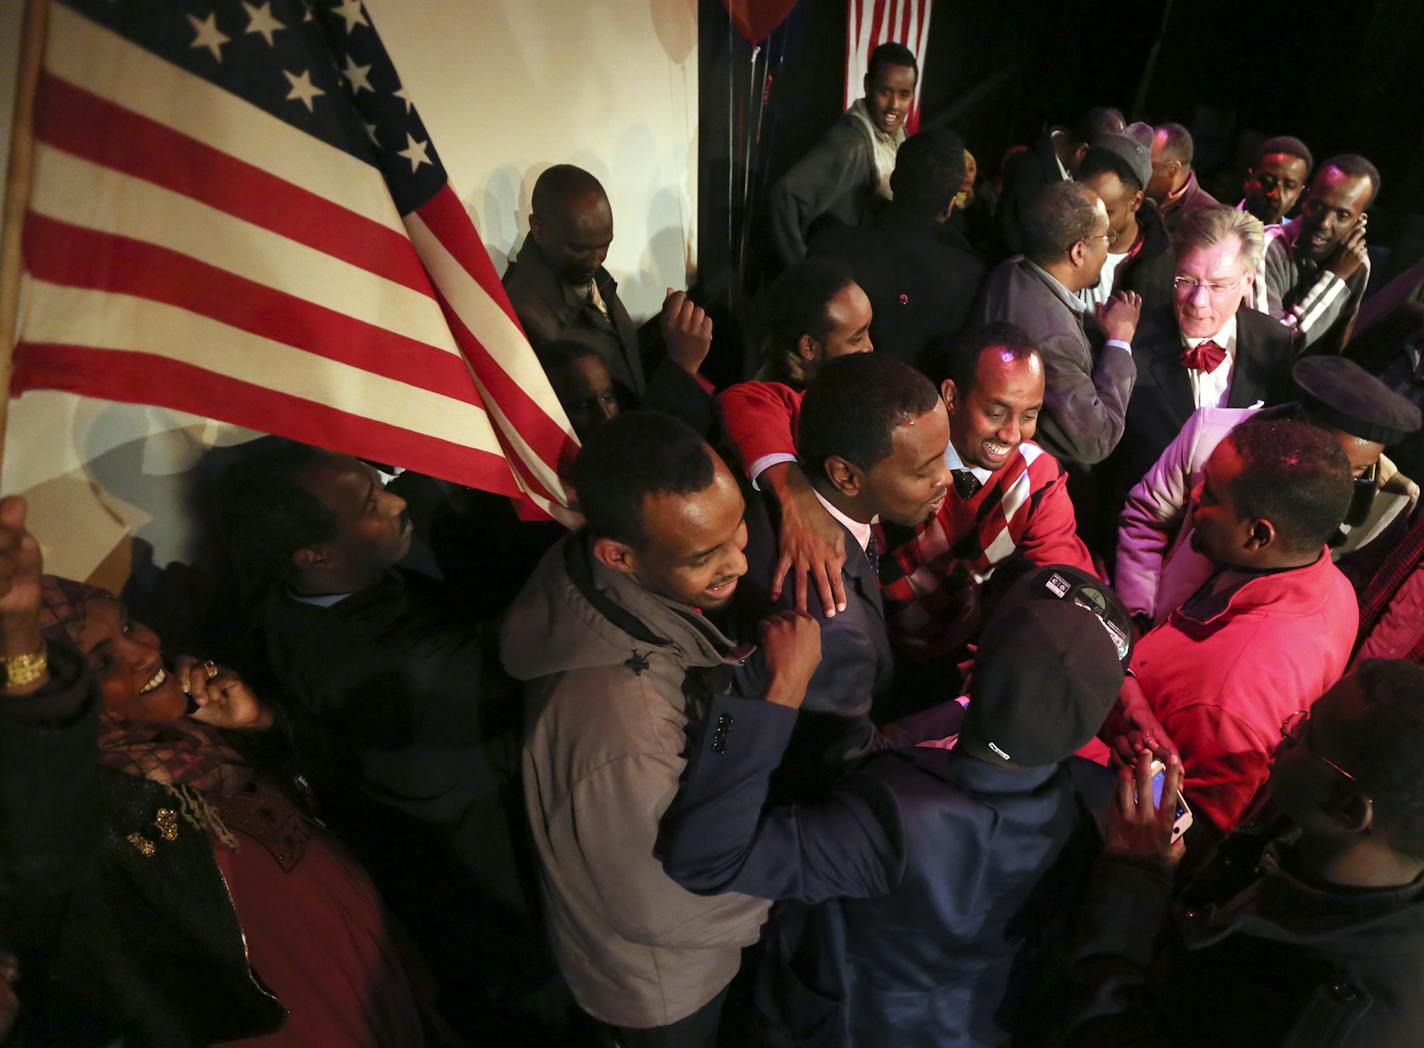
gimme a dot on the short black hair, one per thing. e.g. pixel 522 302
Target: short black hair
pixel 1100 120
pixel 1355 166
pixel 894 54
pixel 558 184
pixel 1177 143
pixel 852 409
pixel 797 303
pixel 1382 749
pixel 1287 144
pixel 632 456
pixel 1296 476
pixel 929 170
pixel 1057 218
pixel 959 360
pixel 265 516
pixel 561 352
pixel 1098 160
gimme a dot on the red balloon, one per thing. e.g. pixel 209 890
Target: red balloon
pixel 755 19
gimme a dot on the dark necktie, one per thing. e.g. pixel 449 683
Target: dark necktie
pixel 872 553
pixel 1205 356
pixel 966 484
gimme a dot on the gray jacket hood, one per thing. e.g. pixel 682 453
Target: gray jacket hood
pixel 574 613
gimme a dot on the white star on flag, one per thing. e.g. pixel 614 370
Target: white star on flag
pixel 351 11
pixel 401 93
pixel 356 76
pixel 303 90
pixel 260 20
pixel 414 152
pixel 208 35
pixel 371 134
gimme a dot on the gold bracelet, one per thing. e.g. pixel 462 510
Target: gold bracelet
pixel 25 669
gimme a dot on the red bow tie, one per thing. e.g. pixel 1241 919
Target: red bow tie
pixel 1206 356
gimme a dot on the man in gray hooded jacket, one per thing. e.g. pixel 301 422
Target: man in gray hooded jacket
pixel 619 662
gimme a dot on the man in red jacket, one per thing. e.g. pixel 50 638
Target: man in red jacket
pixel 1264 636
pixel 1008 498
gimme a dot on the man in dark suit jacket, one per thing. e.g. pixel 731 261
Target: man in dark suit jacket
pixel 1207 349
pixel 920 285
pixel 560 290
pixel 872 438
pixel 1052 158
pixel 926 888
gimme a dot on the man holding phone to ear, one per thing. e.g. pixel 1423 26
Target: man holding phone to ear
pixel 1317 266
pixel 1306 928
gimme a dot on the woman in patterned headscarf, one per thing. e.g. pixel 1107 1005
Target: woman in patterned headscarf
pixel 185 898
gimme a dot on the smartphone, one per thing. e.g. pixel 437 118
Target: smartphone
pixel 1183 820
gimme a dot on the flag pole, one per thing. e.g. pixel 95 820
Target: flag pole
pixel 17 191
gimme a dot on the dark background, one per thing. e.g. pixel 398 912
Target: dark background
pixel 1344 76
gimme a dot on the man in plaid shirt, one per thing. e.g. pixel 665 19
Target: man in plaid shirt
pixel 1009 498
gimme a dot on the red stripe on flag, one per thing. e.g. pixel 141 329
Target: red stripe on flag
pixel 142 378
pixel 91 127
pixel 64 254
pixel 446 217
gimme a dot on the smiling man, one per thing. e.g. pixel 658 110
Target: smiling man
pixel 1317 266
pixel 844 172
pixel 618 659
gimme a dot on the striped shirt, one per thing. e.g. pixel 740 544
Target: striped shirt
pixel 1313 302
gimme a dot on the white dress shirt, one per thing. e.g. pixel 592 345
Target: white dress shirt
pixel 1212 390
pixel 855 527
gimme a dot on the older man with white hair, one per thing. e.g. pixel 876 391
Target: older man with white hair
pixel 1206 349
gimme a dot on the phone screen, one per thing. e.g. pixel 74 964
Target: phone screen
pixel 1157 781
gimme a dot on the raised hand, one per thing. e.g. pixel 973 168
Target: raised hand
pixel 687 331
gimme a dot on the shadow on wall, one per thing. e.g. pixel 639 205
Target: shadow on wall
pixel 675 22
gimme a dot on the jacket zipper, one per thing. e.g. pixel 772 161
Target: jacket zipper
pixel 246 957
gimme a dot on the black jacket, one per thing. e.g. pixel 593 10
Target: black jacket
pixel 1026 177
pixel 833 183
pixel 1161 401
pixel 549 309
pixel 920 286
pixel 112 942
pixel 1253 955
pixel 1150 271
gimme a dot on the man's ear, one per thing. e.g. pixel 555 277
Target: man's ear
pixel 1261 534
pixel 949 393
pixel 1079 154
pixel 865 84
pixel 1351 808
pixel 1078 252
pixel 536 228
pixel 1137 199
pixel 1249 279
pixel 807 348
pixel 614 554
pixel 845 477
pixel 311 558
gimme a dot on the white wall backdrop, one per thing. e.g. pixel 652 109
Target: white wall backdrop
pixel 506 88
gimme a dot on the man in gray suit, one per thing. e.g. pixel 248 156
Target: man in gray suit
pixel 1089 378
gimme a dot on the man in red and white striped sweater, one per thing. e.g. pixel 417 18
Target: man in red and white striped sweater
pixel 1009 498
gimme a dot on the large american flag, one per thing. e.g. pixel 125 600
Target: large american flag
pixel 870 23
pixel 236 211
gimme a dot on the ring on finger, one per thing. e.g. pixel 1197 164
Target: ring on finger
pixel 210 668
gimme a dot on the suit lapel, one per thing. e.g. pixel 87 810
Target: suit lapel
pixel 1249 382
pixel 1171 379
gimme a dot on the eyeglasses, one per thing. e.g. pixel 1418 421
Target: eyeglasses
pixel 1290 734
pixel 1190 285
pixel 1106 238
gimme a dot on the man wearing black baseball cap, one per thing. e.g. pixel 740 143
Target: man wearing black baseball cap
pixel 1157 568
pixel 920 890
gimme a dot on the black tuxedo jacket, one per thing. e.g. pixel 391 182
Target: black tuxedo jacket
pixel 1161 401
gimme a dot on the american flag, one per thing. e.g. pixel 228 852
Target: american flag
pixel 871 23
pixel 236 211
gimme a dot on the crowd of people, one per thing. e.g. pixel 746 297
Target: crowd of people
pixel 1027 653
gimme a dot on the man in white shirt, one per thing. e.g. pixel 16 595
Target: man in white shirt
pixel 1206 349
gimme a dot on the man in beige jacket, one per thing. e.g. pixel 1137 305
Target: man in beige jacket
pixel 618 662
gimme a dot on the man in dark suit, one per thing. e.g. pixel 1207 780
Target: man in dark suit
pixel 924 890
pixel 871 439
pixel 920 285
pixel 1207 350
pixel 560 290
pixel 1053 158
pixel 1173 186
